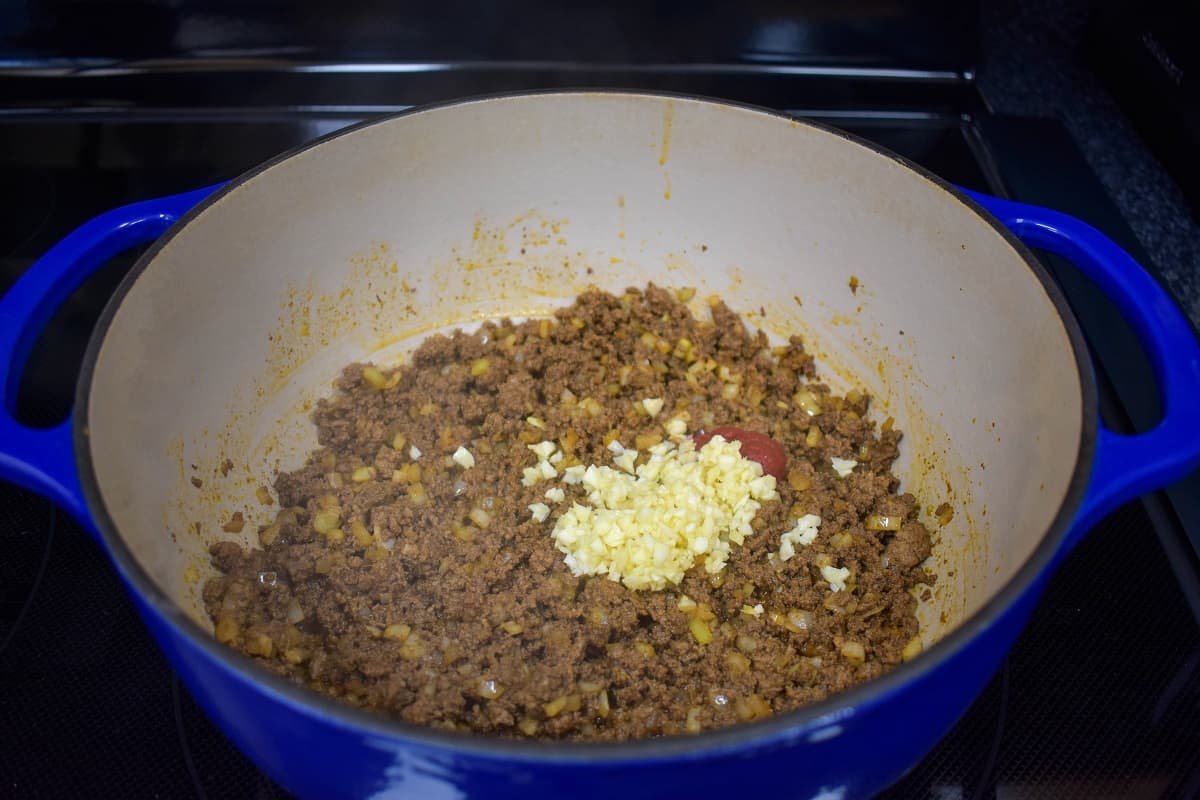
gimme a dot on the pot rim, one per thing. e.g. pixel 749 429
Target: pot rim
pixel 779 729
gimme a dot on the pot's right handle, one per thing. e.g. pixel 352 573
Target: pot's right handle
pixel 1124 467
pixel 43 459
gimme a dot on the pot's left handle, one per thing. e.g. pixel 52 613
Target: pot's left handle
pixel 43 460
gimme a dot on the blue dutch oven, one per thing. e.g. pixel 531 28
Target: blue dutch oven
pixel 255 293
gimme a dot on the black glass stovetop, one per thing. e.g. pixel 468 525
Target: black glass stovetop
pixel 1099 699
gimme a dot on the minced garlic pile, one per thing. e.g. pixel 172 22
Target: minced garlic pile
pixel 645 525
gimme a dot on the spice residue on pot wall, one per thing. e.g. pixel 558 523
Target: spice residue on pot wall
pixel 521 269
pixel 459 268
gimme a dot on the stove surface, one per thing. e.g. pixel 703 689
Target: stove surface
pixel 1100 698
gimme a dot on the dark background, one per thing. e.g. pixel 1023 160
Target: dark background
pixel 1090 107
pixel 871 33
pixel 1117 73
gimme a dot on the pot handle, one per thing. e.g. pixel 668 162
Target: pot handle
pixel 1124 467
pixel 43 460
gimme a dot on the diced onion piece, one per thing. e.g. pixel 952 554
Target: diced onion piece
pixel 413 648
pixel 814 437
pixel 398 631
pixel 808 402
pixel 737 663
pixel 260 645
pixel 798 480
pixel 226 630
pixel 854 653
pixel 759 706
pixel 409 473
pixel 374 377
pixel 912 649
pixel 799 619
pixel 268 534
pixel 325 521
pixel 566 702
pixel 882 522
pixel 644 441
pixel 362 537
pixel 752 707
pixel 591 406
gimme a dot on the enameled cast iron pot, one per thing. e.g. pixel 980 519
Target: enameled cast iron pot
pixel 256 293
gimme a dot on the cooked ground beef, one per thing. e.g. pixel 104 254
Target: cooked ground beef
pixel 433 597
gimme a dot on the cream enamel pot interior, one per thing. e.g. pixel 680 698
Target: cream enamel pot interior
pixel 357 246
